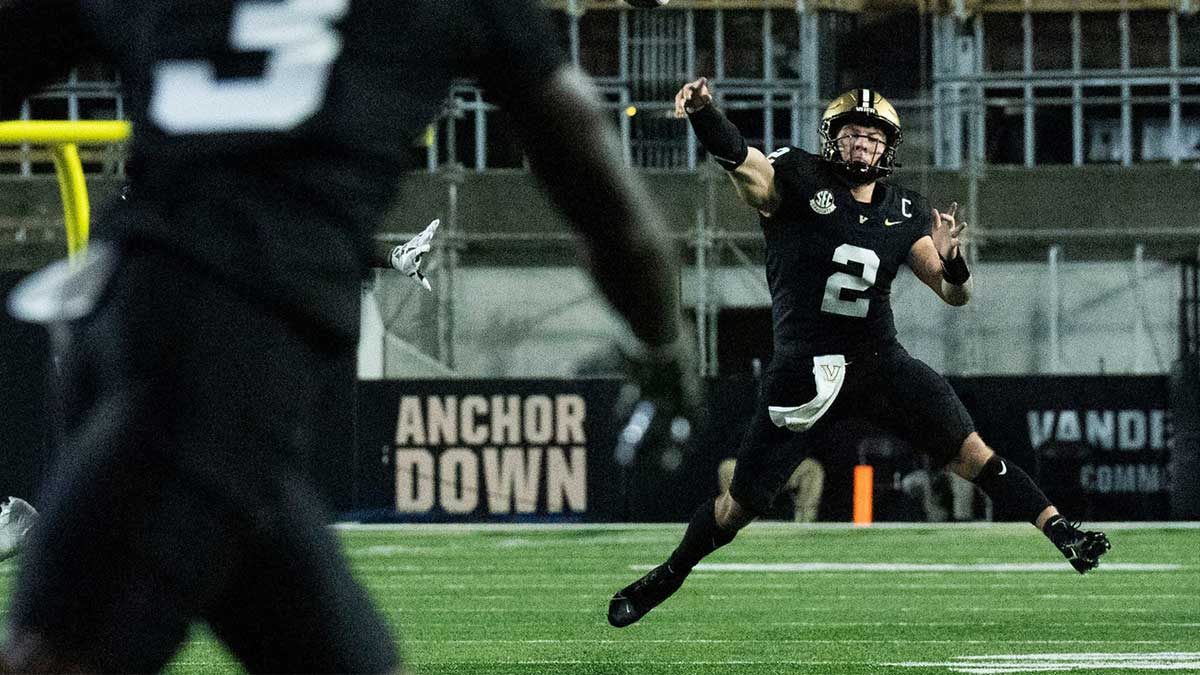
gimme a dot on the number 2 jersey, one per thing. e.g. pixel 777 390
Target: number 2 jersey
pixel 831 260
pixel 270 137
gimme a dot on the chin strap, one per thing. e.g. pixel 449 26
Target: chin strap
pixel 852 178
pixel 871 173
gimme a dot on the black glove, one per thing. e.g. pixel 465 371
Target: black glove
pixel 662 402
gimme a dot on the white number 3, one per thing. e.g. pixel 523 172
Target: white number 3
pixel 302 45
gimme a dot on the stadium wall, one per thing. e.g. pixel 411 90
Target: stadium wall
pixel 550 322
pixel 537 450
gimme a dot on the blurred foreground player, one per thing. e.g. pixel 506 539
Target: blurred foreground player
pixel 836 237
pixel 269 139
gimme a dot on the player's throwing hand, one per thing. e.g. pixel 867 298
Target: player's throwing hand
pixel 946 232
pixel 693 96
pixel 407 256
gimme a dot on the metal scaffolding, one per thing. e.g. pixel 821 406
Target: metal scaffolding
pixel 773 66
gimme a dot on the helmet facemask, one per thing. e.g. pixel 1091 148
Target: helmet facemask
pixel 865 108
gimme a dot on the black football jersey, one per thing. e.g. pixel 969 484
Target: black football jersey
pixel 270 135
pixel 831 260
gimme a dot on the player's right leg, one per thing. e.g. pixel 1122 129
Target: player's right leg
pixel 714 524
pixel 89 595
pixel 766 460
pixel 122 556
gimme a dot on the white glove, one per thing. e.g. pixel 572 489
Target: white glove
pixel 17 517
pixel 407 256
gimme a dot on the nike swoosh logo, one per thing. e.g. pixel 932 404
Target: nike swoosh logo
pixel 1003 468
pixel 889 223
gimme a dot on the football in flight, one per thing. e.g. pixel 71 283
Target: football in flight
pixel 646 4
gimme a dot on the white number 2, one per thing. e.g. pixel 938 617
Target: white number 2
pixel 839 281
pixel 302 45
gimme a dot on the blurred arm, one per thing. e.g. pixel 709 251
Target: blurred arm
pixel 575 153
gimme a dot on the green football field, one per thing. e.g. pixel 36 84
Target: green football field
pixel 780 599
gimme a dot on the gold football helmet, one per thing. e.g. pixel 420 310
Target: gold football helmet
pixel 869 108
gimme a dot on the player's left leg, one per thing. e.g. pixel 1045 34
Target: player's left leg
pixel 935 415
pixel 1012 489
pixel 97 590
pixel 291 604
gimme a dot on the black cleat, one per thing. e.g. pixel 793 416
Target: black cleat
pixel 1081 549
pixel 632 602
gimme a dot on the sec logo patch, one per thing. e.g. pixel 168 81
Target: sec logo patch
pixel 822 202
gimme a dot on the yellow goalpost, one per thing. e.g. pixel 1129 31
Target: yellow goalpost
pixel 64 138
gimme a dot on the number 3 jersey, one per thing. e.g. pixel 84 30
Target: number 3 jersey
pixel 831 260
pixel 270 136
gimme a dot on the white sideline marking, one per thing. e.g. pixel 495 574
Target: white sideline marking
pixel 607 664
pixel 1045 663
pixel 935 624
pixel 389 550
pixel 916 567
pixel 1100 596
pixel 757 525
pixel 773 641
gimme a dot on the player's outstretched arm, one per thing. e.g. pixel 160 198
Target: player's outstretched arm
pixel 754 181
pixel 938 259
pixel 752 174
pixel 39 41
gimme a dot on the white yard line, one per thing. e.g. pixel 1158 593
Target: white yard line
pixel 761 525
pixel 1127 662
pixel 1048 663
pixel 917 567
pixel 788 641
pixel 440 666
pixel 935 624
